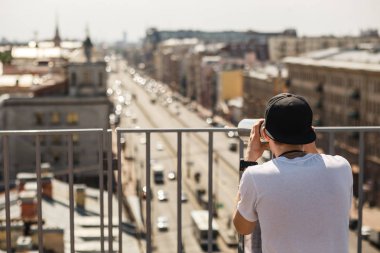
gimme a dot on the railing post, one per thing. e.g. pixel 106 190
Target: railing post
pixel 39 195
pixel 7 199
pixel 241 155
pixel 110 189
pixel 331 143
pixel 71 191
pixel 119 190
pixel 102 139
pixel 148 197
pixel 210 187
pixel 361 193
pixel 179 192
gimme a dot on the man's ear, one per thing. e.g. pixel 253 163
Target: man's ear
pixel 266 137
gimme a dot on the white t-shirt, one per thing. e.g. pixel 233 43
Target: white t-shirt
pixel 302 203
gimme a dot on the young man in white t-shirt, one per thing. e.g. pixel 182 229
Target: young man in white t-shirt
pixel 301 198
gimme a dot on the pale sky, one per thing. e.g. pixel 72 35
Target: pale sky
pixel 107 19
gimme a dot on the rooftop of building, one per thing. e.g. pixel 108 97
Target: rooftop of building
pixel 28 83
pixel 87 219
pixel 267 71
pixel 364 57
pixel 180 42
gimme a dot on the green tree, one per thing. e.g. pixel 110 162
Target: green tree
pixel 6 57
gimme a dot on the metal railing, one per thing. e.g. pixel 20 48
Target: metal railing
pixel 106 137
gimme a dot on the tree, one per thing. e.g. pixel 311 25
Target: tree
pixel 6 57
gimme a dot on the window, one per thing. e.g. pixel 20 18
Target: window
pixel 75 138
pixel 86 77
pixel 76 158
pixel 100 76
pixel 74 79
pixel 55 118
pixel 56 157
pixel 39 118
pixel 72 118
pixel 56 140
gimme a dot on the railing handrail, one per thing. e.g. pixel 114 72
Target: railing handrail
pixel 105 144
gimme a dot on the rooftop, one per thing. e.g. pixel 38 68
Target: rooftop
pixel 362 58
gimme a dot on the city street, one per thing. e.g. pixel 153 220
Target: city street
pixel 142 113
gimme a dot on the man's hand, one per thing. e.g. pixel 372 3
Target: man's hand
pixel 255 147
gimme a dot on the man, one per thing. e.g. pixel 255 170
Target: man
pixel 301 198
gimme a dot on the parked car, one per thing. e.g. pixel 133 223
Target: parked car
pixel 171 175
pixel 162 195
pixel 233 146
pixel 159 146
pixel 162 223
pixel 144 193
pixel 184 197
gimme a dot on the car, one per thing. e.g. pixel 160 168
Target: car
pixel 144 193
pixel 142 140
pixel 162 195
pixel 232 134
pixel 366 231
pixel 184 197
pixel 123 142
pixel 171 175
pixel 233 146
pixel 162 223
pixel 159 146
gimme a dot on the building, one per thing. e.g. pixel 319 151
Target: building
pixel 236 41
pixel 69 91
pixel 168 60
pixel 259 86
pixel 282 46
pixel 343 88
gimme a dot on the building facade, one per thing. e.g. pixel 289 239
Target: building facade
pixel 69 94
pixel 282 46
pixel 343 88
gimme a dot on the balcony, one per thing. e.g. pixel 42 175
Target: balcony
pixel 99 219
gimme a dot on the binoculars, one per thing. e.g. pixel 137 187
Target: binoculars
pixel 245 127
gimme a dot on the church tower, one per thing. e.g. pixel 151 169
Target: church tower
pixel 57 37
pixel 87 46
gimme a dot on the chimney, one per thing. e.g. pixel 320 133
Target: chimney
pixel 80 196
pixel 28 204
pixel 47 186
pixel 53 238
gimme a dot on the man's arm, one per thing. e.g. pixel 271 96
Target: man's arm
pixel 242 225
pixel 254 151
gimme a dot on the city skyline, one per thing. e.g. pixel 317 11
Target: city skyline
pixel 107 20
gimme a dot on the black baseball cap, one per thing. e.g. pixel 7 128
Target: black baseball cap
pixel 288 119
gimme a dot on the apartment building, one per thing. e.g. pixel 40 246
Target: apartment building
pixel 343 88
pixel 71 94
pixel 282 46
pixel 259 85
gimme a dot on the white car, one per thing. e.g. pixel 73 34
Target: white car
pixel 183 197
pixel 142 141
pixel 162 195
pixel 159 146
pixel 171 175
pixel 162 223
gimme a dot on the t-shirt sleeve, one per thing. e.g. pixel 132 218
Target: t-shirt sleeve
pixel 248 197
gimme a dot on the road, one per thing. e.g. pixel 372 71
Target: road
pixel 144 114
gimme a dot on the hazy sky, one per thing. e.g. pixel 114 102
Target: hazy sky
pixel 107 19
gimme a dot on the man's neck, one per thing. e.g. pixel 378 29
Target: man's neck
pixel 288 150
